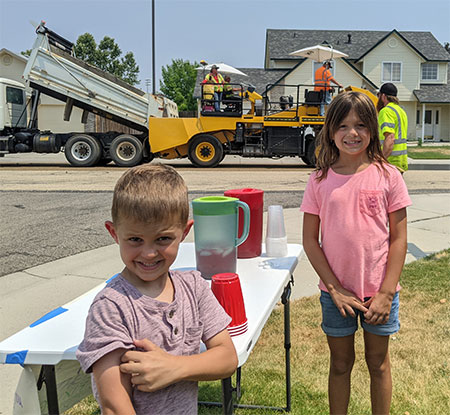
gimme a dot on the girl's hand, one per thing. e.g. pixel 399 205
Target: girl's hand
pixel 346 301
pixel 379 308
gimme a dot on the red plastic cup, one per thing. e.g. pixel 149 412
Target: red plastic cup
pixel 227 289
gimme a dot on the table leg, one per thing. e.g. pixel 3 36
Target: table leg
pixel 285 299
pixel 47 376
pixel 227 396
pixel 227 389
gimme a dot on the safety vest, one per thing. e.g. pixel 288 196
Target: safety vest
pixel 208 91
pixel 392 119
pixel 322 78
pixel 218 87
pixel 227 90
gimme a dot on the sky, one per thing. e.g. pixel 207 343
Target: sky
pixel 230 31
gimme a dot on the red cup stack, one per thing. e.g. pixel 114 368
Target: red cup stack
pixel 227 289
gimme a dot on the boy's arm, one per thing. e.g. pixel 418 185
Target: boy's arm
pixel 155 369
pixel 114 387
pixel 380 304
pixel 344 300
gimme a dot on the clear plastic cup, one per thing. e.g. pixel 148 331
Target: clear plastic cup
pixel 276 239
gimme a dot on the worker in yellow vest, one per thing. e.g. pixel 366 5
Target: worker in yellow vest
pixel 393 126
pixel 322 80
pixel 217 79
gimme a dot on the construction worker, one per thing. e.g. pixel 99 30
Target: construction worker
pixel 322 79
pixel 227 88
pixel 393 127
pixel 217 79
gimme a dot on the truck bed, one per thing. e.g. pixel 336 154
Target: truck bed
pixel 68 79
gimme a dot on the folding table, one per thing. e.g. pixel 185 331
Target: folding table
pixel 46 348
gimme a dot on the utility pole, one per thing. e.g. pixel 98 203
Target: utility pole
pixel 153 48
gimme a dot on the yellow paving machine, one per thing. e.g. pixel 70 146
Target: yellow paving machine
pixel 248 125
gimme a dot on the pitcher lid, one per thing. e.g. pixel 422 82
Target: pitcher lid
pixel 214 205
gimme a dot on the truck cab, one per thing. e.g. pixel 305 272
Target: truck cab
pixel 13 105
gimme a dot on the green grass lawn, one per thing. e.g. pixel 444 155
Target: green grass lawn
pixel 429 152
pixel 420 355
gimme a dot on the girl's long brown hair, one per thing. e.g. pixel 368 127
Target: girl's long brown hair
pixel 337 111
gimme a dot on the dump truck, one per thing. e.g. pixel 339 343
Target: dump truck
pixel 53 70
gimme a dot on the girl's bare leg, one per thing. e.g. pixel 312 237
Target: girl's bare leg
pixel 342 357
pixel 377 359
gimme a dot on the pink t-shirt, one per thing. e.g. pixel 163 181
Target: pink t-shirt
pixel 120 313
pixel 354 216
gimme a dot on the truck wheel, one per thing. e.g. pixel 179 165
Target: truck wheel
pixel 310 158
pixel 205 151
pixel 126 151
pixel 82 150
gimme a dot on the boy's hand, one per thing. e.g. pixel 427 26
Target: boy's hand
pixel 346 301
pixel 379 308
pixel 150 370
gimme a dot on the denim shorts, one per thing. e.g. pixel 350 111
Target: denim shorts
pixel 334 325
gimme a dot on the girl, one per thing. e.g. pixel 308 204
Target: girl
pixel 359 202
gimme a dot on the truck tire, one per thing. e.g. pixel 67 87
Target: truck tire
pixel 82 150
pixel 310 157
pixel 126 151
pixel 205 151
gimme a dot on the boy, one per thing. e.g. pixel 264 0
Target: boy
pixel 175 310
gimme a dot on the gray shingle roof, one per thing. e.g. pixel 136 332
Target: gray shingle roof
pixel 257 77
pixel 434 94
pixel 280 42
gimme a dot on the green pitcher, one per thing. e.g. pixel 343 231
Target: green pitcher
pixel 216 221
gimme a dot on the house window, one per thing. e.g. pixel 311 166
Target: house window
pixel 429 71
pixel 427 116
pixel 418 117
pixel 392 72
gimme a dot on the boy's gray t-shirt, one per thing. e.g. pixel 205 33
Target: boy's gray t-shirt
pixel 120 314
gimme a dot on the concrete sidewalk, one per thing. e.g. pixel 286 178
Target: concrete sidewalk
pixel 29 294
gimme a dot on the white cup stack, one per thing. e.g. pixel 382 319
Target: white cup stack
pixel 276 239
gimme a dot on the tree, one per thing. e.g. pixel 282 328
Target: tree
pixel 107 56
pixel 26 53
pixel 178 83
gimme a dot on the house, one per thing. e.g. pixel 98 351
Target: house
pixel 50 110
pixel 414 61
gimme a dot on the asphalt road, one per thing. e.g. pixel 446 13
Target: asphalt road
pixel 51 210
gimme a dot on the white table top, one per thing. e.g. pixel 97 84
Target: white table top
pixel 56 335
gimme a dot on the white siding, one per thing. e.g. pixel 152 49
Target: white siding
pixel 50 117
pixel 394 49
pixel 445 122
pixel 410 109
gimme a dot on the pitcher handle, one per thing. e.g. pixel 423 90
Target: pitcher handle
pixel 246 227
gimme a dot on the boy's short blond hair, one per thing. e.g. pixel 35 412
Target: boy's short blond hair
pixel 153 193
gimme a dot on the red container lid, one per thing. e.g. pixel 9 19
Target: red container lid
pixel 246 194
